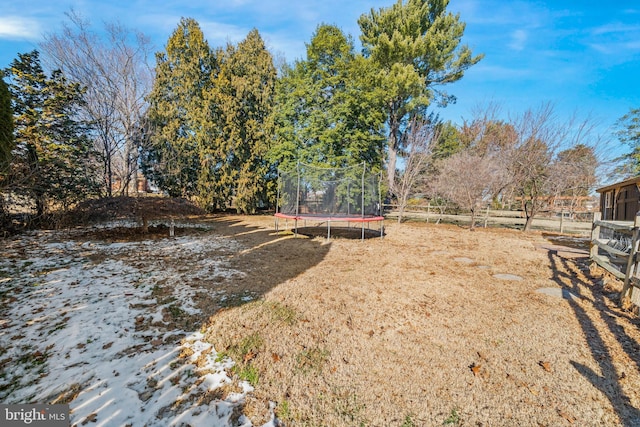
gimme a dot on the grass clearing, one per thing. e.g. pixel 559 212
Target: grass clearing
pixel 383 332
pixel 393 332
pixel 311 360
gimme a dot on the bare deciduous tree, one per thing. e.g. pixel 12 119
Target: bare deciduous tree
pixel 468 180
pixel 538 165
pixel 114 69
pixel 532 158
pixel 419 141
pixel 574 175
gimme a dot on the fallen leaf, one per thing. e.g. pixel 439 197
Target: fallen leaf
pixel 566 416
pixel 106 346
pixel 475 369
pixel 532 390
pixel 545 365
pixel 249 356
pixel 275 357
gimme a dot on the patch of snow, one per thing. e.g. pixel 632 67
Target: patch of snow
pixel 70 320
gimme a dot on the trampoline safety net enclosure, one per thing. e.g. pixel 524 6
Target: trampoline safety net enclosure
pixel 317 196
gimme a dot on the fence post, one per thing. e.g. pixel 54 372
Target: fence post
pixel 562 221
pixel 595 234
pixel 631 262
pixel 486 218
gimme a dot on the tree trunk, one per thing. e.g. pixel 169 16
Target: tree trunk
pixel 473 219
pixel 401 208
pixel 529 213
pixel 394 129
pixel 108 174
pixel 40 207
pixel 528 223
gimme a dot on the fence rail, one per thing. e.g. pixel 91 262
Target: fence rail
pixel 614 247
pixel 490 217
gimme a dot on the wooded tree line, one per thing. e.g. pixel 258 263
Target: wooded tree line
pixel 214 124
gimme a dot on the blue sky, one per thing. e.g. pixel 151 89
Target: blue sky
pixel 581 55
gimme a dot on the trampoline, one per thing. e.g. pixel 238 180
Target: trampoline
pixel 330 196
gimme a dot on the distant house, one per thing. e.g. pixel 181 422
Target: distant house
pixel 140 185
pixel 620 201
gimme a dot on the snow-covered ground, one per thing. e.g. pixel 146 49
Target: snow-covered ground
pixel 79 324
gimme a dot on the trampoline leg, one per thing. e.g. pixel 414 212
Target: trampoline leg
pixel 363 231
pixel 328 230
pixel 296 228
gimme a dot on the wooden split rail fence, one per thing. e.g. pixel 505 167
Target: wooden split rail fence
pixel 614 247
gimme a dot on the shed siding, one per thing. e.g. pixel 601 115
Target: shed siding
pixel 620 204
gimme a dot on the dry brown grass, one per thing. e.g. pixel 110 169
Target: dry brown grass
pixel 396 332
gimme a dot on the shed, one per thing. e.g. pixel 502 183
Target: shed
pixel 620 201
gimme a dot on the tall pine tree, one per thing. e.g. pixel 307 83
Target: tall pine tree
pixel 6 129
pixel 328 109
pixel 6 139
pixel 54 161
pixel 176 152
pixel 243 92
pixel 415 46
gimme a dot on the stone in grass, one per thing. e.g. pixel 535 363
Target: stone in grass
pixel 464 260
pixel 507 277
pixel 558 292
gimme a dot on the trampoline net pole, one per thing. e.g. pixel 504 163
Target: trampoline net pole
pixel 297 196
pixel 364 169
pixel 278 198
pixel 380 209
pixel 278 191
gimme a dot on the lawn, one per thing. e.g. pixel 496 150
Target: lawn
pixel 228 323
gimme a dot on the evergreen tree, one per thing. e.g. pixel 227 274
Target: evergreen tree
pixel 328 107
pixel 54 160
pixel 629 134
pixel 449 140
pixel 243 94
pixel 415 46
pixel 6 139
pixel 6 130
pixel 178 146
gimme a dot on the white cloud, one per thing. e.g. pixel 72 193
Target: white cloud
pixel 616 28
pixel 218 33
pixel 498 73
pixel 19 28
pixel 518 40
